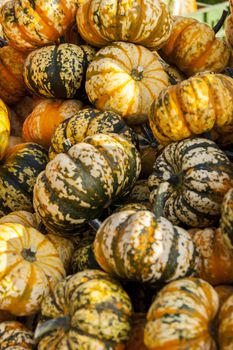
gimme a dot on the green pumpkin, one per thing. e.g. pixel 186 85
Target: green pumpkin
pixel 83 257
pixel 57 71
pixel 18 176
pixel 76 186
pixel 88 310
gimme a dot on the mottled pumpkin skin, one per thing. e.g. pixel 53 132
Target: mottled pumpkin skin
pixel 83 257
pixel 87 122
pixel 18 175
pixel 28 25
pixel 99 310
pixel 15 336
pixel 134 245
pixel 181 316
pixel 57 71
pixel 225 319
pixel 75 187
pixel 226 223
pixel 145 22
pixel 197 105
pixel 125 78
pixel 4 128
pixel 12 87
pixel 193 47
pixel 46 116
pixel 199 174
pixel 29 267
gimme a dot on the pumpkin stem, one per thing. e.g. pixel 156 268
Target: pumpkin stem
pixel 95 224
pixel 51 325
pixel 3 42
pixel 29 254
pixel 220 23
pixel 161 197
pixel 148 134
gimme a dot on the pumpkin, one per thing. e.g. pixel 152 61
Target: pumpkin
pixel 224 292
pixel 75 187
pixel 182 316
pixel 4 128
pixel 147 23
pixel 199 174
pixel 144 247
pixel 182 7
pixel 21 217
pixel 25 106
pixel 125 78
pixel 136 341
pixel 225 325
pixel 57 71
pixel 30 266
pixel 198 105
pixel 46 116
pixel 18 175
pixel 193 47
pixel 88 310
pixel 14 335
pixel 12 142
pixel 12 87
pixel 226 223
pixel 85 123
pixel 83 257
pixel 28 25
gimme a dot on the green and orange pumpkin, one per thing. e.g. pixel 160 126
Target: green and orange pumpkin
pixel 14 335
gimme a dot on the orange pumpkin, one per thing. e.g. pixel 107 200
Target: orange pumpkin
pixel 13 141
pixel 46 116
pixel 224 292
pixel 193 47
pixel 15 336
pixel 4 128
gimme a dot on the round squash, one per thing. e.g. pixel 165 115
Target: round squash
pixel 12 143
pixel 83 257
pixel 18 175
pixel 145 22
pixel 88 310
pixel 12 87
pixel 182 7
pixel 29 267
pixel 224 292
pixel 198 105
pixel 125 78
pixel 226 223
pixel 57 71
pixel 199 174
pixel 75 187
pixel 4 128
pixel 193 47
pixel 15 336
pixel 46 116
pixel 87 122
pixel 21 217
pixel 225 321
pixel 182 316
pixel 27 25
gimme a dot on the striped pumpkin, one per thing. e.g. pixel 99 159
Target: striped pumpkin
pixel 199 174
pixel 89 310
pixel 200 104
pixel 87 122
pixel 83 257
pixel 225 320
pixel 4 128
pixel 138 246
pixel 75 187
pixel 193 47
pixel 46 116
pixel 224 292
pixel 15 336
pixel 125 78
pixel 21 217
pixel 29 267
pixel 28 25
pixel 226 223
pixel 182 316
pixel 182 7
pixel 12 87
pixel 57 71
pixel 18 175
pixel 145 22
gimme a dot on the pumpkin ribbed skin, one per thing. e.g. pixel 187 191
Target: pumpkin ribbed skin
pixel 181 315
pixel 18 175
pixel 225 318
pixel 21 217
pixel 199 174
pixel 182 7
pixel 134 245
pixel 27 25
pixel 145 22
pixel 193 47
pixel 30 267
pixel 57 71
pixel 226 223
pixel 4 128
pixel 45 117
pixel 125 78
pixel 200 104
pixel 99 309
pixel 83 257
pixel 12 87
pixel 75 187
pixel 85 123
pixel 15 336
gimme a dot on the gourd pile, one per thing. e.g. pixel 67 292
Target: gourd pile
pixel 116 177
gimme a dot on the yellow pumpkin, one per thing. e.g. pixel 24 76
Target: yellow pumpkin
pixel 4 128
